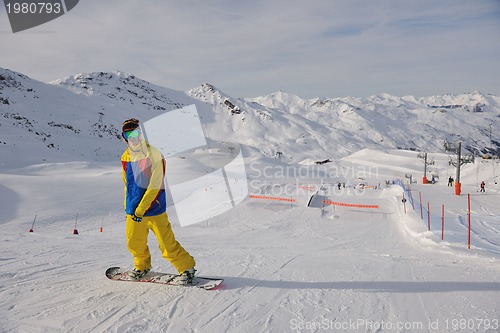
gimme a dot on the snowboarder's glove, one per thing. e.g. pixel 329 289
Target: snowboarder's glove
pixel 136 218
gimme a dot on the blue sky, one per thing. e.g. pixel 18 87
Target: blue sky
pixel 315 48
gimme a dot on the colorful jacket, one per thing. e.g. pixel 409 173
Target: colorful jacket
pixel 143 177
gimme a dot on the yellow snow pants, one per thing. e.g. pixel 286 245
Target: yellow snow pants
pixel 137 242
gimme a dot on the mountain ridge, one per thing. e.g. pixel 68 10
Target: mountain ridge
pixel 78 118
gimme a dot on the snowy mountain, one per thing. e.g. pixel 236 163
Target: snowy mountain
pixel 51 117
pixel 332 128
pixel 291 265
pixel 45 122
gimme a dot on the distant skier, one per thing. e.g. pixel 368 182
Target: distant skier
pixel 450 181
pixel 483 185
pixel 143 171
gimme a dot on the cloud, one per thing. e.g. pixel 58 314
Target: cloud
pixel 250 48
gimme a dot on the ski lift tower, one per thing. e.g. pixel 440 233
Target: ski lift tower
pixel 458 163
pixel 426 163
pixel 458 185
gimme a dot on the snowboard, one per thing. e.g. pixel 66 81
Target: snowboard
pixel 118 274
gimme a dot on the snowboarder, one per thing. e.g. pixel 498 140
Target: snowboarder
pixel 143 171
pixel 482 187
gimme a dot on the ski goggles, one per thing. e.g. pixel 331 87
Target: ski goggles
pixel 131 134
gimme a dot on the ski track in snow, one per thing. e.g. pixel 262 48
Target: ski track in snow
pixel 287 268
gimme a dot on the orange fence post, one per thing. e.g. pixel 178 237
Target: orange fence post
pixel 421 211
pixel 468 213
pixel 411 198
pixel 442 223
pixel 428 215
pixel 404 202
pixel 33 224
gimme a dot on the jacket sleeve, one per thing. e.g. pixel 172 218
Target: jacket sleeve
pixel 124 177
pixel 155 185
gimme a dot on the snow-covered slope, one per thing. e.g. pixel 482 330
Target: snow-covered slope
pixel 287 267
pixel 52 119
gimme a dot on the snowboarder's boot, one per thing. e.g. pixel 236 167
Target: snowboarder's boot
pixel 137 274
pixel 186 277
